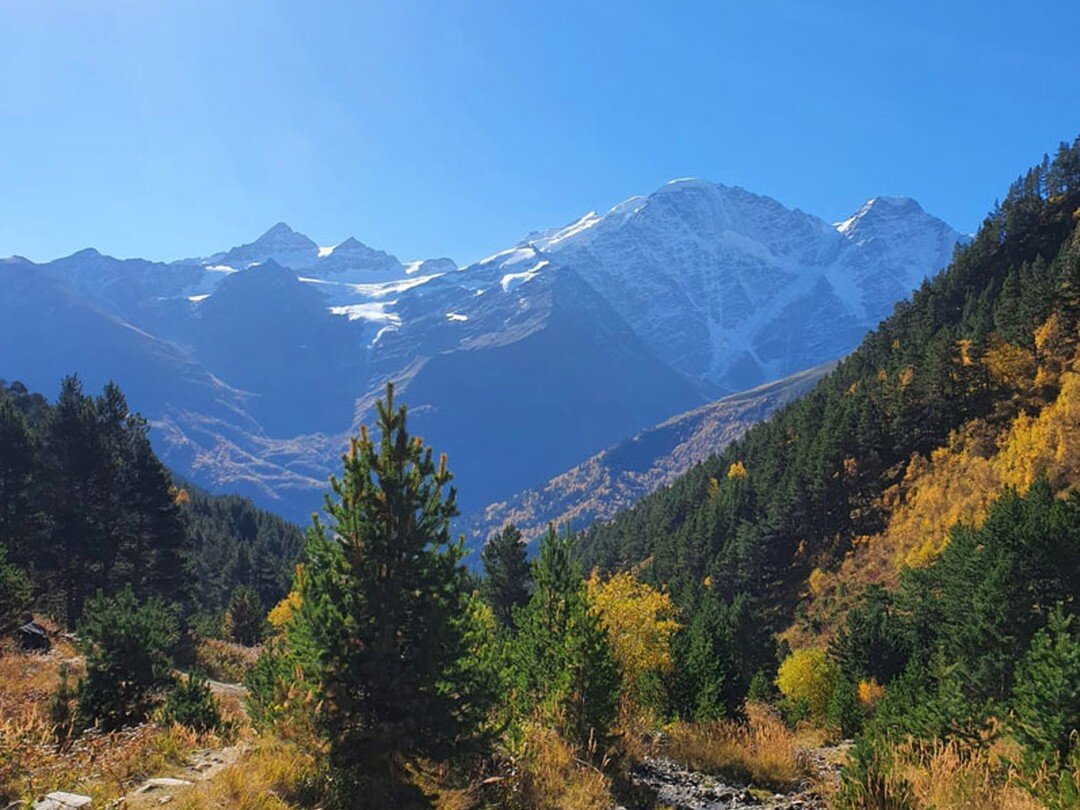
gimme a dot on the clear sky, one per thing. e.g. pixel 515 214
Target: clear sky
pixel 170 128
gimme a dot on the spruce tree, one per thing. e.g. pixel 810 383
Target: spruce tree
pixel 387 614
pixel 507 575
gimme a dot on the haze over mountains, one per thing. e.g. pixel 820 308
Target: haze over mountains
pixel 256 363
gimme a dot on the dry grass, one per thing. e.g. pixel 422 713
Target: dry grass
pixel 954 776
pixel 103 766
pixel 224 660
pixel 272 775
pixel 550 774
pixel 762 751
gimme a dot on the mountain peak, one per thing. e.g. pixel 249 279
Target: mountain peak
pixel 881 208
pixel 282 234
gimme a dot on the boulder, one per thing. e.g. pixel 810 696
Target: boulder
pixel 63 801
pixel 33 638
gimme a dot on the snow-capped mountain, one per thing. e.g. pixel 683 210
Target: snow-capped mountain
pixel 254 364
pixel 733 289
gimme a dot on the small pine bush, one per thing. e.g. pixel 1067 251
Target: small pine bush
pixel 128 661
pixel 191 704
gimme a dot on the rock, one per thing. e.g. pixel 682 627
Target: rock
pixel 33 638
pixel 162 782
pixel 62 801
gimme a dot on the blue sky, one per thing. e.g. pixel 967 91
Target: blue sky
pixel 170 128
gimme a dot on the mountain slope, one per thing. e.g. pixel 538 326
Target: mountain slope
pixel 983 345
pixel 625 472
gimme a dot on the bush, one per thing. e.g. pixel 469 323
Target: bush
pixel 128 662
pixel 808 675
pixel 191 704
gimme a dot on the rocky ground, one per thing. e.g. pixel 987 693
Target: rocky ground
pixel 674 786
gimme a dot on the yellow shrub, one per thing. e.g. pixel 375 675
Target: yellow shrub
pixel 737 470
pixel 870 692
pixel 284 611
pixel 639 621
pixel 808 675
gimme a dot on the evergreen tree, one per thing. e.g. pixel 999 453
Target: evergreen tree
pixel 507 577
pixel 15 592
pixel 128 659
pixel 386 611
pixel 1046 701
pixel 17 462
pixel 703 667
pixel 244 617
pixel 563 662
pixel 873 643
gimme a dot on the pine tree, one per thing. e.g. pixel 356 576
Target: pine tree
pixel 15 592
pixel 128 659
pixel 385 607
pixel 507 574
pixel 563 662
pixel 1046 700
pixel 16 477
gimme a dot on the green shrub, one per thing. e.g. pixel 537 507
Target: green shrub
pixel 191 704
pixel 128 662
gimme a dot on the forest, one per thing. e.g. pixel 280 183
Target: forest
pixel 892 560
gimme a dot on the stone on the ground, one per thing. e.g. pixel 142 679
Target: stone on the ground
pixel 162 782
pixel 62 801
pixel 33 638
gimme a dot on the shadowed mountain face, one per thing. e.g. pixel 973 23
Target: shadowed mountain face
pixel 627 471
pixel 256 363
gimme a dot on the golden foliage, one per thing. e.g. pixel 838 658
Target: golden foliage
pixel 817 581
pixel 763 750
pixel 956 483
pixel 639 621
pixel 284 610
pixel 714 487
pixel 737 470
pixel 870 692
pixel 1008 364
pixel 808 675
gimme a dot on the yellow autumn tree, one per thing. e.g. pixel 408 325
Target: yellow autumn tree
pixel 737 470
pixel 640 622
pixel 808 675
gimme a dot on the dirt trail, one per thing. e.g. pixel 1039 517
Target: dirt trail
pixel 202 766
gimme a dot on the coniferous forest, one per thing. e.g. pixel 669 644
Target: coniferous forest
pixel 884 576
